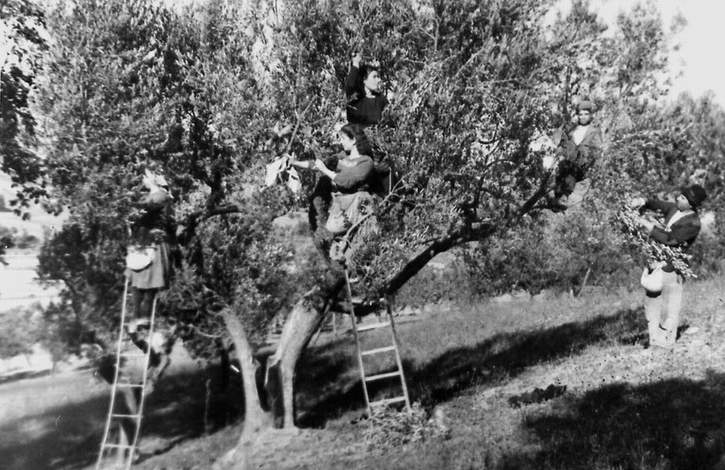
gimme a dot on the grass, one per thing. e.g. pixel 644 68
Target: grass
pixel 625 407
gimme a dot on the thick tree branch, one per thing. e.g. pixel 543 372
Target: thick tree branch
pixel 455 238
pixel 536 197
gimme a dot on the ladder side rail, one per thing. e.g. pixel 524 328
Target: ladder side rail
pixel 144 378
pixel 325 313
pixel 109 418
pixel 399 361
pixel 357 342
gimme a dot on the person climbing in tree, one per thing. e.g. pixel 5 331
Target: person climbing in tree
pixel 365 106
pixel 680 229
pixel 350 183
pixel 579 149
pixel 366 103
pixel 148 263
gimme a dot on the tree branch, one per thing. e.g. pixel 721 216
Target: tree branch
pixel 455 238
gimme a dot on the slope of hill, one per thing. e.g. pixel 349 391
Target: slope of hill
pixel 476 368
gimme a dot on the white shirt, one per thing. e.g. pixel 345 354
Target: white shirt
pixel 578 133
pixel 677 216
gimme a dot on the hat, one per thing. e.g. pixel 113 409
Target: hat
pixel 695 195
pixel 584 105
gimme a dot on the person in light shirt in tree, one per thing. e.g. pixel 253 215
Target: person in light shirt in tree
pixel 579 148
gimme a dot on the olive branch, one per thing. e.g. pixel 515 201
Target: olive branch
pixel 653 251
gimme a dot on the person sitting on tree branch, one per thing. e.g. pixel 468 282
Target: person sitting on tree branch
pixel 579 149
pixel 350 181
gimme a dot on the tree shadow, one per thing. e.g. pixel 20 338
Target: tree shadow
pixel 69 436
pixel 497 358
pixel 671 424
pixel 323 388
pixel 506 355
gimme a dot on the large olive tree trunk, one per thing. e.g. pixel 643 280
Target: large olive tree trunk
pixel 304 320
pixel 299 328
pixel 302 323
pixel 255 418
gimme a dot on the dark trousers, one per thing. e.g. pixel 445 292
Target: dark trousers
pixel 143 301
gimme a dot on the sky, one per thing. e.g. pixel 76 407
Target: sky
pixel 700 58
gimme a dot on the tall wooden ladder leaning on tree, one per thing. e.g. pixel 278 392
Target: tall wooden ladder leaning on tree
pixel 126 449
pixel 361 354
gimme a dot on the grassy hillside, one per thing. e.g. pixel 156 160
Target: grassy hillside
pixel 624 406
pixel 470 367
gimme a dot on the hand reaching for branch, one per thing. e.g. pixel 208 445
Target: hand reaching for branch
pixel 637 202
pixel 322 168
pixel 356 59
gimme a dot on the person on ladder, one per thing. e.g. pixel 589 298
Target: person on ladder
pixel 148 263
pixel 579 149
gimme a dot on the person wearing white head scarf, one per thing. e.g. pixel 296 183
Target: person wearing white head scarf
pixel 148 265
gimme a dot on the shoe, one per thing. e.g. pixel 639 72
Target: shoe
pixel 660 344
pixel 138 323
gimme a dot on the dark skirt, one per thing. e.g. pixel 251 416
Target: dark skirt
pixel 156 275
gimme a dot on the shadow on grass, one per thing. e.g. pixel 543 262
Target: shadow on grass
pixel 506 355
pixel 497 358
pixel 69 436
pixel 672 424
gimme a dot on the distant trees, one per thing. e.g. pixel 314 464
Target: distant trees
pixel 19 332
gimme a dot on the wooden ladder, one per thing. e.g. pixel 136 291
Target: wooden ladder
pixel 124 449
pixel 404 398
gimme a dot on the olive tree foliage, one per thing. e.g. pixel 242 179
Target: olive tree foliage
pixel 650 147
pixel 21 45
pixel 204 94
pixel 130 85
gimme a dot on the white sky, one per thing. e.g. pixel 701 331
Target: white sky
pixel 702 42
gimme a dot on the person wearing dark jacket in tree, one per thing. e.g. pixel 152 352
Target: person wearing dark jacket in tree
pixel 365 103
pixel 579 148
pixel 365 106
pixel 680 229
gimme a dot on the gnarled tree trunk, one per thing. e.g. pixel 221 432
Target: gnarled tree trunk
pixel 299 328
pixel 303 322
pixel 255 418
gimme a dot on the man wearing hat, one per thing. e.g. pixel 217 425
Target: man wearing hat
pixel 681 226
pixel 579 148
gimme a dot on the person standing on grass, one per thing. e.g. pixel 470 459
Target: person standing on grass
pixel 580 148
pixel 680 229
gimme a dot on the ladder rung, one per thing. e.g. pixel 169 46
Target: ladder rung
pixel 387 401
pixel 377 350
pixel 373 326
pixel 125 385
pixel 133 354
pixel 382 376
pixel 118 446
pixel 125 416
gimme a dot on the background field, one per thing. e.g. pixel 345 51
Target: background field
pixel 624 406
